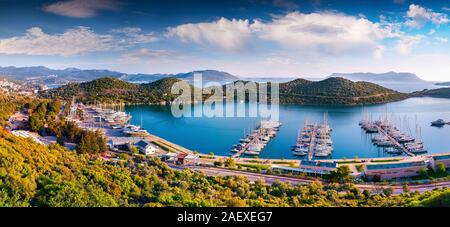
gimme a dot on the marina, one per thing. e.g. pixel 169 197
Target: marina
pixel 206 135
pixel 255 141
pixel 389 137
pixel 314 140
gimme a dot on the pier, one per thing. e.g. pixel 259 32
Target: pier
pixel 394 141
pixel 312 143
pixel 257 140
pixel 244 148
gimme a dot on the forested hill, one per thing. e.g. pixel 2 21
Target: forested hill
pixel 49 176
pixel 436 93
pixel 336 90
pixel 112 90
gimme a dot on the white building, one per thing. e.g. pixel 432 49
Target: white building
pixel 145 147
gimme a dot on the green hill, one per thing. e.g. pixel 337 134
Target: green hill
pixel 336 91
pixel 112 90
pixel 332 91
pixel 436 93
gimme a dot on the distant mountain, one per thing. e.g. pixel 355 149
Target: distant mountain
pixel 442 84
pixel 436 93
pixel 380 77
pixel 207 76
pixel 403 82
pixel 48 76
pixel 269 79
pixel 55 76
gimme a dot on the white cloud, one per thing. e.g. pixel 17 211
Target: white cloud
pixel 76 41
pixel 321 33
pixel 379 52
pixel 277 60
pixel 406 43
pixel 228 35
pixel 418 16
pixel 441 39
pixel 134 35
pixel 81 8
pixel 145 53
pixel 324 33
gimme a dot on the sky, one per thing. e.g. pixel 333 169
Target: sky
pixel 249 38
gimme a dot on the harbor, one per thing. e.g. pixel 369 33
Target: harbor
pixel 391 139
pixel 314 140
pixel 255 141
pixel 217 135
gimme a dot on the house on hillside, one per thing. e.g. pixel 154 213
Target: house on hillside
pixel 145 147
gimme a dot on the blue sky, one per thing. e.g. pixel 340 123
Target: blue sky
pixel 284 38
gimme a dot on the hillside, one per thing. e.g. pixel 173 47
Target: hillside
pixel 112 90
pixel 443 84
pixel 436 93
pixel 50 176
pixel 336 91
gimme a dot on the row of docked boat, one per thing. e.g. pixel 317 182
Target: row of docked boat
pixel 256 141
pixel 314 139
pixel 392 139
pixel 134 130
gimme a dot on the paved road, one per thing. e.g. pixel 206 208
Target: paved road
pixel 269 179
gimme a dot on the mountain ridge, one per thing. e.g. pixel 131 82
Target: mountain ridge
pixel 333 90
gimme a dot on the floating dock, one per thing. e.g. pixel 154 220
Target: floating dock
pixel 257 140
pixel 314 140
pixel 391 138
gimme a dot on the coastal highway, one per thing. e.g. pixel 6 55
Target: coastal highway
pixel 269 179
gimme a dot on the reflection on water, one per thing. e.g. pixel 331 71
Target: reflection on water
pixel 217 135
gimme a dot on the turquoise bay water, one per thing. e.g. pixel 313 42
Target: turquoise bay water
pixel 219 134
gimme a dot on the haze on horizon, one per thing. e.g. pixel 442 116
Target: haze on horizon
pixel 249 38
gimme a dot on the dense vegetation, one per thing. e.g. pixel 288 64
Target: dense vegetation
pixel 112 90
pixel 436 93
pixel 36 175
pixel 46 119
pixel 8 105
pixel 335 91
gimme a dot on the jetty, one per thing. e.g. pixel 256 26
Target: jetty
pixel 392 139
pixel 314 140
pixel 312 143
pixel 257 140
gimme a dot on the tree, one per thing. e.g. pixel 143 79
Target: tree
pixel 423 173
pixel 134 149
pixel 229 162
pixel 441 170
pixel 340 175
pixel 406 188
pixel 388 191
pixel 36 123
